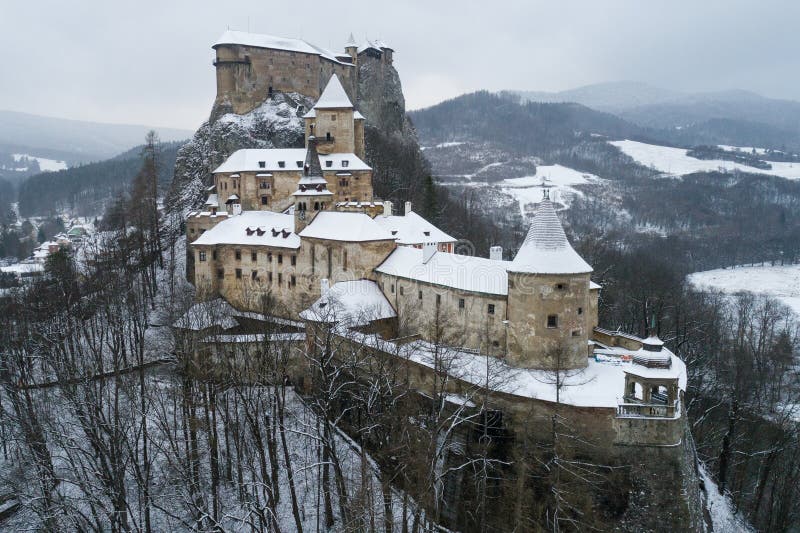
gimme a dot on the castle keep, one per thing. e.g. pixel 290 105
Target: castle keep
pixel 301 228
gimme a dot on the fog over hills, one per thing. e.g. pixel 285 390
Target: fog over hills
pixel 73 141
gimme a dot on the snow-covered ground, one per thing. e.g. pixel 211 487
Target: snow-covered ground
pixel 45 165
pixel 675 162
pixel 781 282
pixel 720 508
pixel 562 180
pixel 746 149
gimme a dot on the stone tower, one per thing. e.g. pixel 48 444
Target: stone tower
pixel 312 195
pixel 548 294
pixel 332 121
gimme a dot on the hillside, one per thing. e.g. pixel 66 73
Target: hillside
pixel 85 190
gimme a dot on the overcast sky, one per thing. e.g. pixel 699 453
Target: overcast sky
pixel 149 62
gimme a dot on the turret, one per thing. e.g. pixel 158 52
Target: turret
pixel 548 289
pixel 331 120
pixel 312 194
pixel 351 48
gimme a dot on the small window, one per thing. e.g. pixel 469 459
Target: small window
pixel 263 185
pixel 281 164
pixel 292 281
pixel 328 163
pixel 262 164
pixel 238 255
pixel 191 230
pixel 294 260
pixel 269 257
pixel 280 278
pixel 328 136
pixel 345 163
pixel 461 303
pixel 299 164
pixel 220 273
pixel 253 256
pixel 580 310
pixel 552 321
pixel 401 290
pixel 238 273
pixel 490 309
pixel 214 255
pixel 269 277
pixel 496 344
pixel 419 295
pixel 280 259
pixel 560 286
pixel 202 256
pixel 438 299
pixel 254 275
pixel 392 288
pixel 333 117
pixel 576 333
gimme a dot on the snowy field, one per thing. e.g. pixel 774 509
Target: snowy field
pixel 45 165
pixel 675 162
pixel 562 180
pixel 781 282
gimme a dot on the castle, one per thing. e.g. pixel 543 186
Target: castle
pixel 302 226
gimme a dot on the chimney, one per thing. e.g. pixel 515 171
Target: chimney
pixel 387 208
pixel 496 253
pixel 428 250
pixel 324 286
pixel 408 208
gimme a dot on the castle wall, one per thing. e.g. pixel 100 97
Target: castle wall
pixel 349 186
pixel 246 73
pixel 281 184
pixel 593 316
pixel 531 300
pixel 470 326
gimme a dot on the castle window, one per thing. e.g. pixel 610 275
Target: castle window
pixel 576 332
pixel 280 259
pixel 263 185
pixel 191 230
pixel 333 117
pixel 280 278
pixel 328 136
pixel 560 286
pixel 580 310
pixel 220 273
pixel 345 163
pixel 264 200
pixel 299 164
pixel 392 288
pixel 214 255
pixel 254 275
pixel 292 281
pixel 344 260
pixel 316 206
pixel 262 164
pixel 552 321
pixel 294 260
pixel 438 299
pixel 238 255
pixel 461 303
pixel 282 164
pixel 269 277
pixel 419 295
pixel 253 256
pixel 238 273
pixel 202 256
pixel 490 309
pixel 496 344
pixel 344 183
pixel 328 162
pixel 401 290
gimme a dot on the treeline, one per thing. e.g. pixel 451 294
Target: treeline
pixel 86 189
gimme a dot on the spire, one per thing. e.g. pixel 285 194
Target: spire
pixel 312 168
pixel 334 96
pixel 351 41
pixel 546 249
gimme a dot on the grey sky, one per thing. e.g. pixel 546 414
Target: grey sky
pixel 149 62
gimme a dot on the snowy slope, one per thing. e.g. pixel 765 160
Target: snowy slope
pixel 561 180
pixel 45 165
pixel 675 162
pixel 781 282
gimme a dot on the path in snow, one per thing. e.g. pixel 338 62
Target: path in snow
pixel 675 162
pixel 781 282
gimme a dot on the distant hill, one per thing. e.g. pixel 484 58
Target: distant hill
pixel 723 117
pixel 85 190
pixel 73 141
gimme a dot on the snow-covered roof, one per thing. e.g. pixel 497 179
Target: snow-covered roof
pixel 358 116
pixel 474 274
pixel 375 45
pixel 337 162
pixel 250 159
pixel 342 226
pixel 312 192
pixel 289 44
pixel 213 200
pixel 21 269
pixel 333 96
pixel 203 315
pixel 254 228
pixel 412 229
pixel 353 303
pixel 312 113
pixel 594 286
pixel 546 249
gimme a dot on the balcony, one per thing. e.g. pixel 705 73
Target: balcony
pixel 647 410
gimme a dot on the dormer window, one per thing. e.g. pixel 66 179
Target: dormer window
pixel 345 162
pixel 299 164
pixel 427 233
pixel 281 164
pixel 262 164
pixel 328 163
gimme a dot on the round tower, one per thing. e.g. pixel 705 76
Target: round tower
pixel 548 290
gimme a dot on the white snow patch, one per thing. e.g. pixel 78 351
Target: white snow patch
pixel 675 162
pixel 720 507
pixel 562 181
pixel 781 282
pixel 45 165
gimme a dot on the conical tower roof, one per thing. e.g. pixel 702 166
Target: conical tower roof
pixel 546 249
pixel 334 96
pixel 351 41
